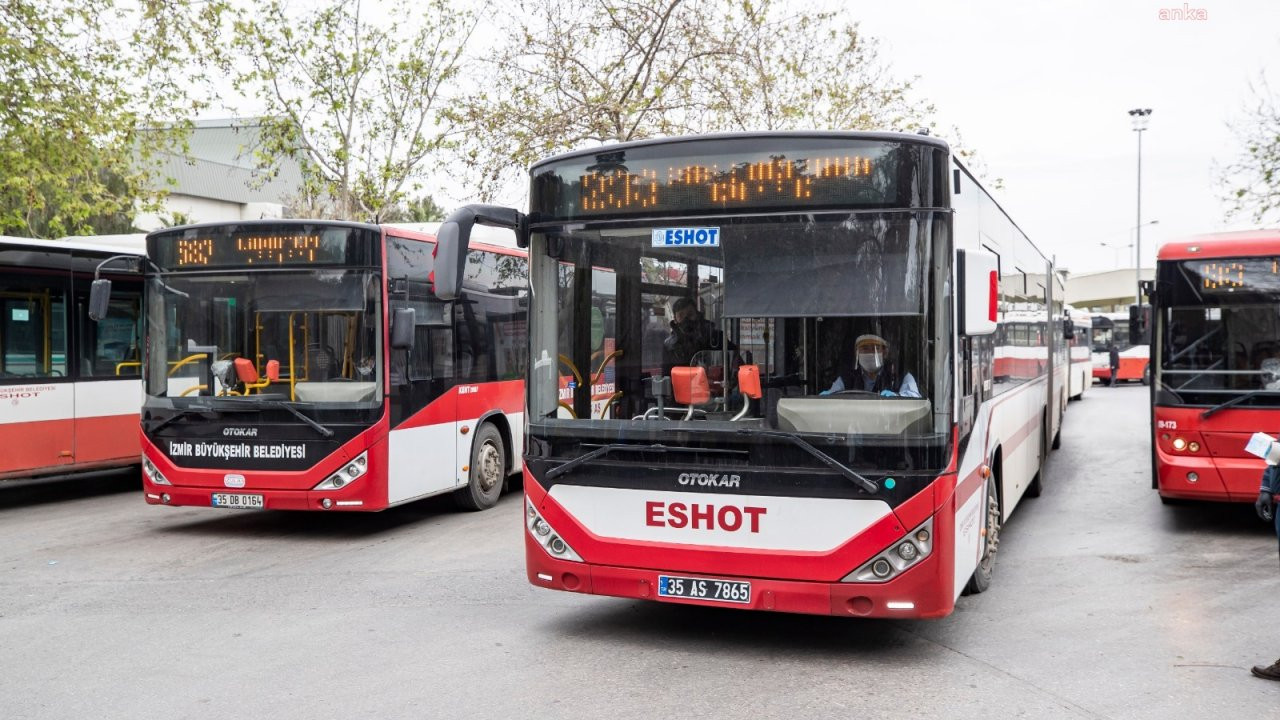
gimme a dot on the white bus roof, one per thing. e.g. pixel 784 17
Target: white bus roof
pixel 122 244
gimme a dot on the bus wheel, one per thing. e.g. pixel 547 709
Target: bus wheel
pixel 1057 438
pixel 1146 374
pixel 981 579
pixel 488 471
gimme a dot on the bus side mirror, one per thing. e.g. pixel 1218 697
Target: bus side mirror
pixel 453 239
pixel 978 291
pixel 99 299
pixel 1138 324
pixel 402 323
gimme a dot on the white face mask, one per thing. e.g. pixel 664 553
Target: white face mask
pixel 870 362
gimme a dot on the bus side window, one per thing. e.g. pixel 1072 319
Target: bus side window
pixel 33 330
pixel 111 347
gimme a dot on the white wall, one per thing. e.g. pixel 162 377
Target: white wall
pixel 200 210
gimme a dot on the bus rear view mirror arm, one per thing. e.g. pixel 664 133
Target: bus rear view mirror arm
pixel 454 238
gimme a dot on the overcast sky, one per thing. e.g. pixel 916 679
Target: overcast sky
pixel 1042 90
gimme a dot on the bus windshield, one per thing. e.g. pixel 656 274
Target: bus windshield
pixel 1221 331
pixel 320 327
pixel 836 312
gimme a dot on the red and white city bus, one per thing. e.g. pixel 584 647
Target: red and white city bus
pixel 743 460
pixel 69 388
pixel 1216 312
pixel 1135 351
pixel 304 365
pixel 1079 351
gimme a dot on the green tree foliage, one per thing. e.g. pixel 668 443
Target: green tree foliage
pixel 579 72
pixel 418 210
pixel 1252 180
pixel 354 94
pixel 79 78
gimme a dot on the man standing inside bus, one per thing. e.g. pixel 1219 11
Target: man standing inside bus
pixel 872 371
pixel 1266 507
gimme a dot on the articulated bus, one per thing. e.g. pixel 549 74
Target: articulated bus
pixel 1216 312
pixel 69 388
pixel 1079 351
pixel 304 365
pixel 1135 352
pixel 805 416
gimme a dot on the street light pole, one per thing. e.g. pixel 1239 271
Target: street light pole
pixel 1140 119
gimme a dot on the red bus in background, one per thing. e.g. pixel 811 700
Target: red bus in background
pixel 1135 351
pixel 69 388
pixel 743 461
pixel 305 365
pixel 1216 312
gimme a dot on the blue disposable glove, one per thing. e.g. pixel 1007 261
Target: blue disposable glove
pixel 888 393
pixel 825 392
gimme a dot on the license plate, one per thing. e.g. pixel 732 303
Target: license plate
pixel 237 501
pixel 734 591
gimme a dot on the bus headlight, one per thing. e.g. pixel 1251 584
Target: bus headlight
pixel 353 471
pixel 893 560
pixel 546 535
pixel 1179 444
pixel 153 473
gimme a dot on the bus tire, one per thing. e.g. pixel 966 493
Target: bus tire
pixel 1057 438
pixel 1146 374
pixel 487 471
pixel 981 579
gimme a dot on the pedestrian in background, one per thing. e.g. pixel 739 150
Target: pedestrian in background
pixel 1266 507
pixel 1114 352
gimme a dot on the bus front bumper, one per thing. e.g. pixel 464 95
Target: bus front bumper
pixel 919 592
pixel 352 498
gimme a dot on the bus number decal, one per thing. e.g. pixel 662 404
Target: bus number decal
pixel 1166 424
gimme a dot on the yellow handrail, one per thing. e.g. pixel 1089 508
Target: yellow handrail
pixel 127 363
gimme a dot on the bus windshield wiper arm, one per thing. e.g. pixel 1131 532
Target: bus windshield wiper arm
pixel 603 450
pixel 1237 400
pixel 859 480
pixel 301 416
pixel 178 413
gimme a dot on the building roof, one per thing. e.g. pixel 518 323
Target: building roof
pixel 219 163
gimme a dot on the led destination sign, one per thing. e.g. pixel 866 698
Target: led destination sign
pixel 739 174
pixel 253 246
pixel 1236 275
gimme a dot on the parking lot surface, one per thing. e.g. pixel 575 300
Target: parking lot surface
pixel 1105 604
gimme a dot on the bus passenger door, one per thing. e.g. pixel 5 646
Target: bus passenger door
pixel 37 402
pixel 422 449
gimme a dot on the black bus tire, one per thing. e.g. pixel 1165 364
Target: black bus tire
pixel 487 471
pixel 981 579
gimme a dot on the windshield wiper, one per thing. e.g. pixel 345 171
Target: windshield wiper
pixel 603 450
pixel 301 416
pixel 178 414
pixel 861 481
pixel 1237 400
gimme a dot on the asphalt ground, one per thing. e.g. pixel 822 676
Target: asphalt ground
pixel 1105 604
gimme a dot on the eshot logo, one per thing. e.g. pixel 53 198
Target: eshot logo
pixel 686 237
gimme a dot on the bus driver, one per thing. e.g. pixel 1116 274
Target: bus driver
pixel 872 372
